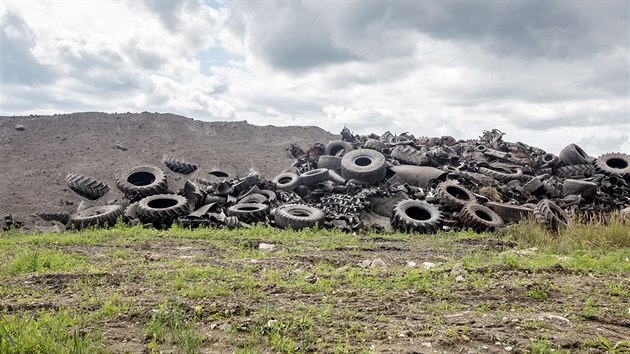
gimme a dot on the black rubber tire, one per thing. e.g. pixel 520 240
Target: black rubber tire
pixel 454 196
pixel 61 217
pixel 480 218
pixel 416 216
pixel 510 213
pixel 409 155
pixel 162 209
pixel 270 195
pixel 613 163
pixel 375 144
pixel 552 188
pixel 329 162
pixel 313 177
pixel 131 211
pixel 179 166
pixel 550 215
pixel 338 148
pixel 86 187
pixel 575 171
pixel 286 181
pixel 502 176
pixel 254 198
pixel 296 216
pixel 249 212
pixel 143 181
pixel 533 185
pixel 573 155
pixel 365 165
pixel 97 216
pixel 550 159
pixel 586 189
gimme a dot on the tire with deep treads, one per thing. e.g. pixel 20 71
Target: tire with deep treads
pixel 179 166
pixel 454 196
pixel 296 216
pixel 409 155
pixel 249 212
pixel 142 181
pixel 61 217
pixel 502 176
pixel 550 215
pixel 162 209
pixel 575 171
pixel 364 165
pixel 416 216
pixel 614 163
pixel 375 144
pixel 97 216
pixel 480 218
pixel 86 187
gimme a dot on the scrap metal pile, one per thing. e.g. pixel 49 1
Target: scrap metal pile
pixel 387 182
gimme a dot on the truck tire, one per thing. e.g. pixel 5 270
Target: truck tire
pixel 86 187
pixel 97 216
pixel 296 216
pixel 162 209
pixel 416 216
pixel 142 181
pixel 364 165
pixel 480 218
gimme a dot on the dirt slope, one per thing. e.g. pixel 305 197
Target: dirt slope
pixel 35 161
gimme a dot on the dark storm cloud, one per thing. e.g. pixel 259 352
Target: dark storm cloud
pixel 302 35
pixel 17 63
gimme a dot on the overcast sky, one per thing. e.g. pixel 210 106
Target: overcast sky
pixel 547 73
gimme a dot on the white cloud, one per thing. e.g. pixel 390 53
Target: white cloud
pixel 546 73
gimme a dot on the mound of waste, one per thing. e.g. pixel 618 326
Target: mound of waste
pixel 379 183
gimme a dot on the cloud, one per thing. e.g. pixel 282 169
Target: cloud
pixel 548 73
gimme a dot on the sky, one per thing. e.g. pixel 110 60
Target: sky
pixel 546 73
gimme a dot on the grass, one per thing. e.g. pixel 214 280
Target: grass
pixel 214 290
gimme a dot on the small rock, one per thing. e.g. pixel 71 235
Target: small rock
pixel 118 145
pixel 153 256
pixel 508 349
pixel 378 263
pixel 267 247
pixel 457 269
pixel 459 279
pixel 411 264
pixel 427 344
pixel 19 127
pixel 365 263
pixel 428 265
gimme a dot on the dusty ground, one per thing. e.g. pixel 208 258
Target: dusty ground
pixel 36 160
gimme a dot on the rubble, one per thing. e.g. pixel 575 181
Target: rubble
pixel 379 183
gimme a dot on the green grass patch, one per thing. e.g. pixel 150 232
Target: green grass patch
pixel 44 260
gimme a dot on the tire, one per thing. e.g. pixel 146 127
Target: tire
pixel 375 144
pixel 131 211
pixel 338 148
pixel 575 171
pixel 254 198
pixel 313 177
pixel 296 216
pixel 287 181
pixel 97 216
pixel 329 162
pixel 416 216
pixel 162 209
pixel 409 155
pixel 480 218
pixel 552 187
pixel 614 163
pixel 179 166
pixel 573 155
pixel 365 165
pixel 501 176
pixel 550 215
pixel 454 196
pixel 270 195
pixel 86 187
pixel 61 217
pixel 142 181
pixel 550 159
pixel 249 212
pixel 510 213
pixel 586 189
pixel 533 185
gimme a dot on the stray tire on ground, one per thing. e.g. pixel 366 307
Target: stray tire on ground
pixel 297 216
pixel 97 216
pixel 416 216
